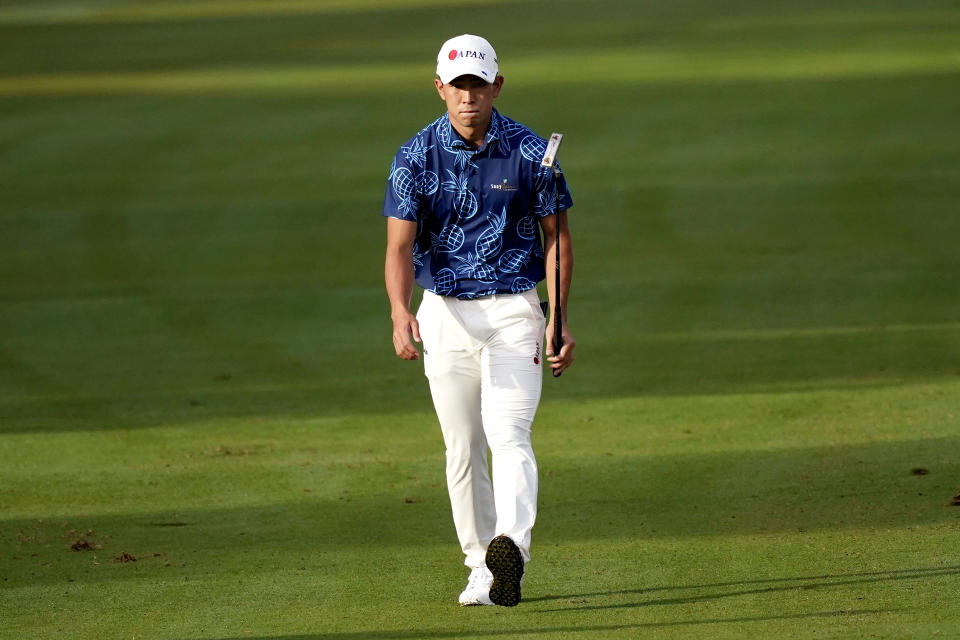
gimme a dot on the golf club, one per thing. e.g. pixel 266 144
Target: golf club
pixel 549 158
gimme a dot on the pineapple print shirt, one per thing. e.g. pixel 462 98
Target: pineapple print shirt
pixel 476 209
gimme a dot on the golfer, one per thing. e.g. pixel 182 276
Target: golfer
pixel 466 202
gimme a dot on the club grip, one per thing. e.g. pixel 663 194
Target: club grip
pixel 557 342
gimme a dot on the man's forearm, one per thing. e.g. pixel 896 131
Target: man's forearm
pixel 398 277
pixel 398 264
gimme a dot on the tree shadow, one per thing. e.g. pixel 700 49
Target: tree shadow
pixel 223 372
pixel 796 490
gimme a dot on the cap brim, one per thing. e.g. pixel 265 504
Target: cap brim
pixel 447 75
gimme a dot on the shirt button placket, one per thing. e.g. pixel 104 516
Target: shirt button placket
pixel 474 185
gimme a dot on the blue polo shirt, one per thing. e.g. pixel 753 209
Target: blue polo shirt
pixel 476 209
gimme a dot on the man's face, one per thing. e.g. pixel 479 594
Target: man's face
pixel 469 99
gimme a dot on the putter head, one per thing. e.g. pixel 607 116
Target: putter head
pixel 550 155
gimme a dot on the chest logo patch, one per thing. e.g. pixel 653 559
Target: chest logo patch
pixel 503 186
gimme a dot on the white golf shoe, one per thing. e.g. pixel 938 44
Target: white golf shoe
pixel 477 591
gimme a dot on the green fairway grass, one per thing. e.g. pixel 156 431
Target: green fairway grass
pixel 198 391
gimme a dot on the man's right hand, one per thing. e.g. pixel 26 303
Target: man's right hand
pixel 405 327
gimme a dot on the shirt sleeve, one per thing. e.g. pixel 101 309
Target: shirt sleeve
pixel 401 199
pixel 546 185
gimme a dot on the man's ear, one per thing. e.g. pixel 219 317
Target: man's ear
pixel 498 83
pixel 439 86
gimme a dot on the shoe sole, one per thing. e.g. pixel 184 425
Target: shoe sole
pixel 506 565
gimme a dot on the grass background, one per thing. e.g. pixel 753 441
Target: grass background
pixel 195 365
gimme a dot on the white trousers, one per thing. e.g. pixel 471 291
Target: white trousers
pixel 483 360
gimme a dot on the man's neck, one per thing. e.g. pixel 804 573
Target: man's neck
pixel 473 136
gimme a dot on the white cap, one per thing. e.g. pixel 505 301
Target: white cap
pixel 464 55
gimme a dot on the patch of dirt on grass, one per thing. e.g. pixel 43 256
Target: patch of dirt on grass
pixel 232 451
pixel 124 557
pixel 84 545
pixel 241 450
pixel 956 500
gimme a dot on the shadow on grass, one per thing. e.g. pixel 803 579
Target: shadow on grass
pixel 742 588
pixel 489 633
pixel 140 361
pixel 795 490
pixel 128 312
pixel 186 383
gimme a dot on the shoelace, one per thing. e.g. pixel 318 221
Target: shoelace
pixel 480 576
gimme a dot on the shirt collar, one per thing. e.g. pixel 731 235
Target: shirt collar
pixel 494 132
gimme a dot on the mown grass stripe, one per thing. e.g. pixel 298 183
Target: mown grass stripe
pixel 86 13
pixel 795 332
pixel 627 66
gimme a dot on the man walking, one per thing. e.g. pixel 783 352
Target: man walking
pixel 464 199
